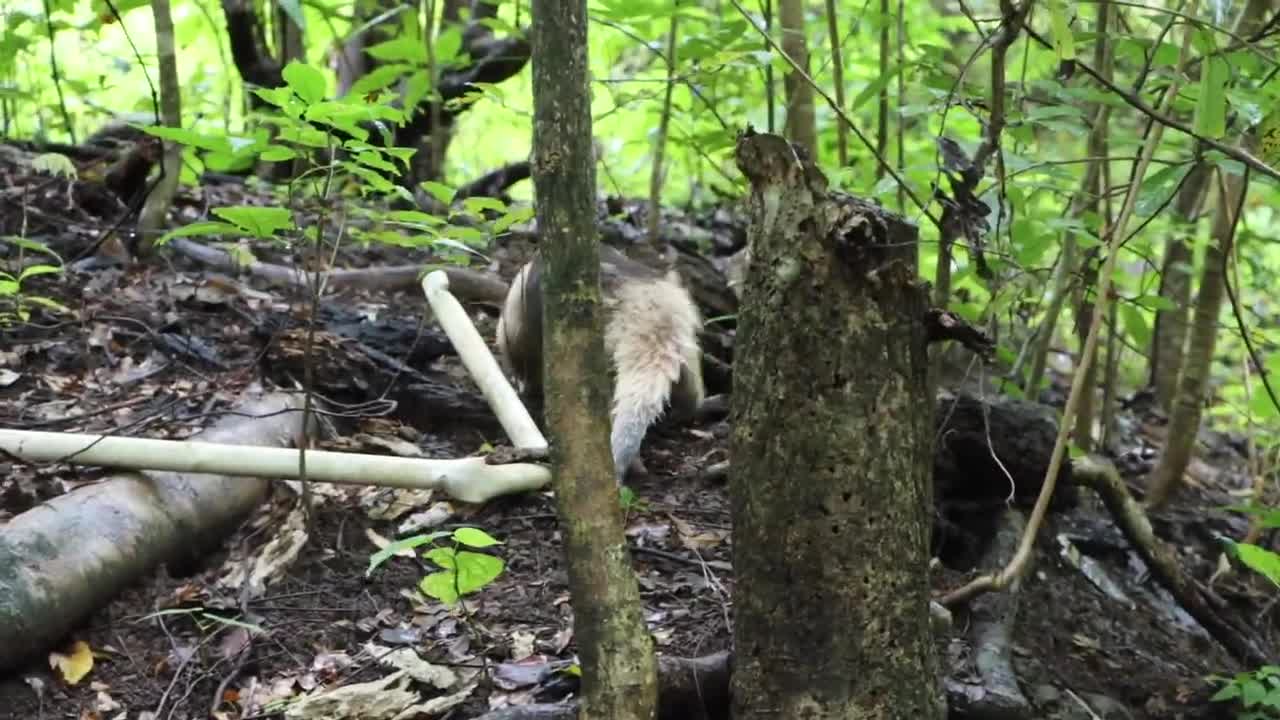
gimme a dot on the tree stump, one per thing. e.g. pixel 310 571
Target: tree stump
pixel 832 453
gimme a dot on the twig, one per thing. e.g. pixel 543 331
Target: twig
pixel 1163 117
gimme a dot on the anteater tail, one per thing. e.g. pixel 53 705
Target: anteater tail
pixel 652 338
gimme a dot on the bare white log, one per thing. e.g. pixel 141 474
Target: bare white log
pixel 470 480
pixel 481 364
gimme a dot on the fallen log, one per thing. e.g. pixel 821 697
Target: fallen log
pixel 466 283
pixel 64 559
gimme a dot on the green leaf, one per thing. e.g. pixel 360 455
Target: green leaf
pixel 1252 692
pixel 262 222
pixel 204 227
pixel 439 191
pixel 34 270
pixel 448 44
pixel 28 244
pixel 1155 302
pixel 281 97
pixel 476 570
pixel 306 81
pixel 187 137
pixel 1261 560
pixel 474 537
pixel 477 205
pixel 1135 325
pixel 1158 187
pixel 376 161
pixel 1211 106
pixel 403 49
pixel 1063 42
pixel 1030 241
pixel 381 77
pixel 278 153
pixel 45 302
pixel 513 217
pixel 416 89
pixel 440 585
pixel 408 543
pixel 414 216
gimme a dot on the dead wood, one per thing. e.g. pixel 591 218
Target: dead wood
pixel 988 452
pixel 61 561
pixel 465 283
pixel 993 693
pixel 1100 475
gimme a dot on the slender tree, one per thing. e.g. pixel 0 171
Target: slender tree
pixel 801 125
pixel 619 667
pixel 1184 421
pixel 1169 336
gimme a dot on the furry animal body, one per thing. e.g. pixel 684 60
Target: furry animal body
pixel 651 338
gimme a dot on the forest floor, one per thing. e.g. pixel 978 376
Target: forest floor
pixel 159 349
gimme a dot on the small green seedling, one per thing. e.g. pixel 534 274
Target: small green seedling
pixel 464 572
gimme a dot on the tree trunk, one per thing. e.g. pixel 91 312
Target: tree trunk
pixel 801 128
pixel 151 219
pixel 619 668
pixel 832 434
pixel 1184 423
pixel 1169 339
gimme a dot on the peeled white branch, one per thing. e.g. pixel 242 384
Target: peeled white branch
pixel 481 364
pixel 466 479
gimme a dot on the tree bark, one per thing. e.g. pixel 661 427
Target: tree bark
pixel 801 127
pixel 616 651
pixel 1169 338
pixel 832 434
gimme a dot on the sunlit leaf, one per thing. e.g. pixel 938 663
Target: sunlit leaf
pixel 258 221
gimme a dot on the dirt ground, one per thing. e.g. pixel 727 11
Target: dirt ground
pixel 1112 646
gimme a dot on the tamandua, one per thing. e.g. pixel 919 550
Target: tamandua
pixel 651 337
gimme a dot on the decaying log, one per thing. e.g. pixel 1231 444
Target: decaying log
pixel 61 561
pixel 994 693
pixel 1101 476
pixel 988 452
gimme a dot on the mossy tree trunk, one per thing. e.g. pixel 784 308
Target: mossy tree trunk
pixel 801 127
pixel 616 652
pixel 1169 339
pixel 832 436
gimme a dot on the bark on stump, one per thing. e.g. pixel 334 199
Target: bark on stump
pixel 832 454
